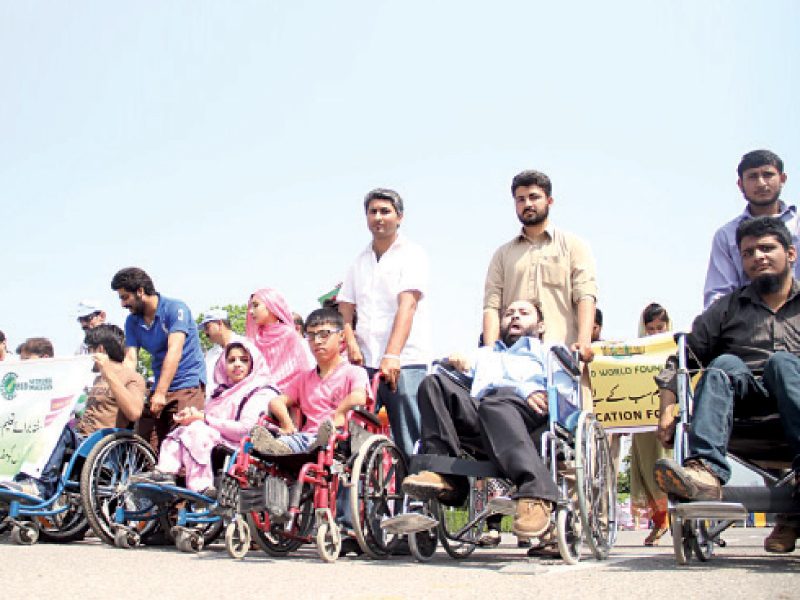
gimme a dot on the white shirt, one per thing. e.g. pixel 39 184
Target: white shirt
pixel 373 286
pixel 212 357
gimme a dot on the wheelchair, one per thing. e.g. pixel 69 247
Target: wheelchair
pixel 92 483
pixel 758 445
pixel 575 448
pixel 282 501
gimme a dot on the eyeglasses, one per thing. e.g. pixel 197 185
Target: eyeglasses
pixel 322 334
pixel 87 318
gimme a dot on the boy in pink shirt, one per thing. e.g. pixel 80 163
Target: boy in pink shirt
pixel 324 394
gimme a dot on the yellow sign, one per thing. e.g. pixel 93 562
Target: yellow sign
pixel 624 392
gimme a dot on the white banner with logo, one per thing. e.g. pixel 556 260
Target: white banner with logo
pixel 37 398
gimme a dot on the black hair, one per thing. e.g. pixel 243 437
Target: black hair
pixel 325 316
pixel 759 158
pixel 40 346
pixel 598 317
pixel 384 194
pixel 2 337
pixel 131 279
pixel 654 312
pixel 764 225
pixel 110 337
pixel 298 322
pixel 529 178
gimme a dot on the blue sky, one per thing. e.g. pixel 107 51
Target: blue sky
pixel 225 147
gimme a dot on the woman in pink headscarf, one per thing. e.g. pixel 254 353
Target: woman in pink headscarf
pixel 270 325
pixel 243 393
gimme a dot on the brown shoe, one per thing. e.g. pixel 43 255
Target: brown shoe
pixel 426 485
pixel 265 442
pixel 692 481
pixel 532 518
pixel 781 539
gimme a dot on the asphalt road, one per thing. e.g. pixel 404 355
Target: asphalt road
pixel 90 570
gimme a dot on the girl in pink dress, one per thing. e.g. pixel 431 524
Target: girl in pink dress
pixel 243 393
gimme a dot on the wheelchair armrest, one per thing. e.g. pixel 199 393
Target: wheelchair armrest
pixel 567 360
pixel 360 413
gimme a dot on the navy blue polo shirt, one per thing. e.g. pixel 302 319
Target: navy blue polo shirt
pixel 172 316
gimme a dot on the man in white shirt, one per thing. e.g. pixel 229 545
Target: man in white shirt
pixel 388 284
pixel 217 327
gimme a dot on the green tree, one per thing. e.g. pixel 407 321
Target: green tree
pixel 624 478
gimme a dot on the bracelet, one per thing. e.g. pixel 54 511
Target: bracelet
pixel 394 356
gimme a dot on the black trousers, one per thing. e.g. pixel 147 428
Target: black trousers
pixel 501 425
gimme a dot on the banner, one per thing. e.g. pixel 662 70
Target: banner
pixel 625 394
pixel 37 398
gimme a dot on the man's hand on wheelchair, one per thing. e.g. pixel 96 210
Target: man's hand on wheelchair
pixel 666 420
pixel 584 350
pixel 538 402
pixel 458 361
pixel 390 371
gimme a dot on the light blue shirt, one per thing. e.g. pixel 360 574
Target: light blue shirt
pixel 725 272
pixel 523 367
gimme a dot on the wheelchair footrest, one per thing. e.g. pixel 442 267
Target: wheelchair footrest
pixel 408 523
pixel 720 511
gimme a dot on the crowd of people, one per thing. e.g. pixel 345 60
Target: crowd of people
pixel 541 288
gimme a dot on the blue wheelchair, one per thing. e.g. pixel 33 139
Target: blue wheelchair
pixel 575 448
pixel 93 483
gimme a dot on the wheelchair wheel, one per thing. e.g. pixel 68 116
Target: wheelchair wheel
pixel 596 488
pixel 422 544
pixel 375 495
pixel 570 535
pixel 702 542
pixel 126 539
pixel 273 538
pixel 329 542
pixel 25 534
pixel 105 477
pixel 208 532
pixel 237 539
pixel 70 525
pixel 682 540
pixel 451 520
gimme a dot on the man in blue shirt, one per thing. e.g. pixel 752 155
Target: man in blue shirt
pixel 761 179
pixel 165 328
pixel 507 404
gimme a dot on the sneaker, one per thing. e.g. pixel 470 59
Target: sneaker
pixel 154 477
pixel 265 442
pixel 692 481
pixel 426 485
pixel 782 539
pixel 324 433
pixel 532 517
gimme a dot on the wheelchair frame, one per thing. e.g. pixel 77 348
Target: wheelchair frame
pixel 579 446
pixel 696 526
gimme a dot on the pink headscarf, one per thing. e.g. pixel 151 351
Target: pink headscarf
pixel 226 400
pixel 279 343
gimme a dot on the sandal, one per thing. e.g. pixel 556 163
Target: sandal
pixel 656 533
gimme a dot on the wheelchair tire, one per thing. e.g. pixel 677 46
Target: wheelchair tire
pixel 682 540
pixel 569 535
pixel 68 526
pixel 271 540
pixel 702 542
pixel 422 544
pixel 375 495
pixel 26 534
pixel 450 521
pixel 208 532
pixel 237 539
pixel 105 477
pixel 329 542
pixel 596 487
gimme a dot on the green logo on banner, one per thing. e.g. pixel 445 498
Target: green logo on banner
pixel 9 386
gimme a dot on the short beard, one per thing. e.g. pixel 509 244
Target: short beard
pixel 765 202
pixel 509 339
pixel 536 219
